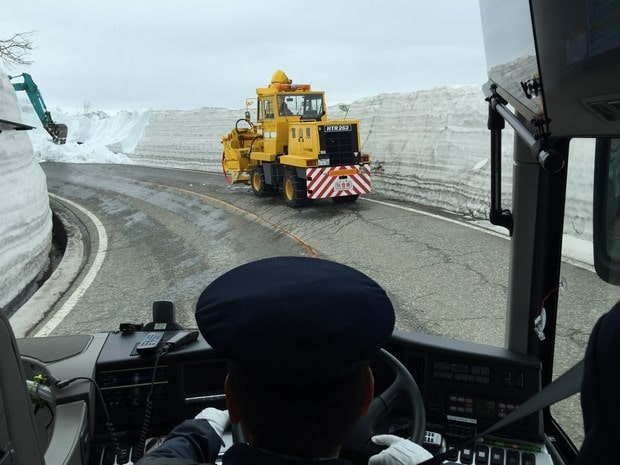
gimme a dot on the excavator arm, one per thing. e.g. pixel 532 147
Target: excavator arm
pixel 57 131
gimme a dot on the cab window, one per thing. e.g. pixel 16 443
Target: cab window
pixel 268 108
pixel 304 105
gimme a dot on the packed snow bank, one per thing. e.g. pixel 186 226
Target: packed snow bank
pixel 429 147
pixel 25 215
pixel 185 139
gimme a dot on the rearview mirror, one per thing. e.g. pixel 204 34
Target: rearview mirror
pixel 607 210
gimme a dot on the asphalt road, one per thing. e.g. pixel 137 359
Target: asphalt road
pixel 154 234
pixel 170 232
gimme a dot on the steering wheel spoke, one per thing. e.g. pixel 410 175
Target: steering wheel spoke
pixel 359 442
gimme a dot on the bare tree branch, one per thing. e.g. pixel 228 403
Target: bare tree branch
pixel 15 50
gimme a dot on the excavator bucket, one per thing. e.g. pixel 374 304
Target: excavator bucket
pixel 58 133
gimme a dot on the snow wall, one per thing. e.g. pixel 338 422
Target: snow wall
pixel 430 147
pixel 25 214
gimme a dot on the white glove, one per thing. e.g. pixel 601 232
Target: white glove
pixel 219 419
pixel 400 451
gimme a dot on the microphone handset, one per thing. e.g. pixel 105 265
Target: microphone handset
pixel 181 338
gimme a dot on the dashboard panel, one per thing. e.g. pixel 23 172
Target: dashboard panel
pixel 466 388
pixel 186 381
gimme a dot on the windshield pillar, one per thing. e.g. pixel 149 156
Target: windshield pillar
pixel 535 255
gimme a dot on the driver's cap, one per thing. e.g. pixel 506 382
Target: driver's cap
pixel 300 319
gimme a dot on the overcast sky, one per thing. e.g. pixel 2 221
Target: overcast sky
pixel 131 54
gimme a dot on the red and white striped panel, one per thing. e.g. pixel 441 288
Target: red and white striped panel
pixel 337 181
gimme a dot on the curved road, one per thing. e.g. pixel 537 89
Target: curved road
pixel 163 234
pixel 168 233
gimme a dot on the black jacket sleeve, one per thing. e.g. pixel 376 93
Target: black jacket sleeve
pixel 192 442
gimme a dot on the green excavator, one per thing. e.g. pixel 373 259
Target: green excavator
pixel 56 130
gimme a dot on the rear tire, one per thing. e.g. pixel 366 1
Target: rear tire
pixel 259 186
pixel 294 188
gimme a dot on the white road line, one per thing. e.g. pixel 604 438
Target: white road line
pixel 100 254
pixel 573 261
pixel 439 217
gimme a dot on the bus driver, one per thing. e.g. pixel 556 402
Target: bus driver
pixel 299 333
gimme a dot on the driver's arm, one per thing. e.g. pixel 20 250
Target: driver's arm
pixel 193 440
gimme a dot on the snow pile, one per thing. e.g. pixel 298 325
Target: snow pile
pixel 94 137
pixel 25 215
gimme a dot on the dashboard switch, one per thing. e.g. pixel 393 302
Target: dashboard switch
pixel 482 455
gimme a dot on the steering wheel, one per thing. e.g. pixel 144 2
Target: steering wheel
pixel 358 443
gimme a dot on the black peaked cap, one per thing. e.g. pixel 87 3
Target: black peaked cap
pixel 300 319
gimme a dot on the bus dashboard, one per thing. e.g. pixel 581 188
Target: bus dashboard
pixel 466 387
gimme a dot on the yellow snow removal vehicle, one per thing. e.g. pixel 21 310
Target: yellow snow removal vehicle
pixel 294 147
